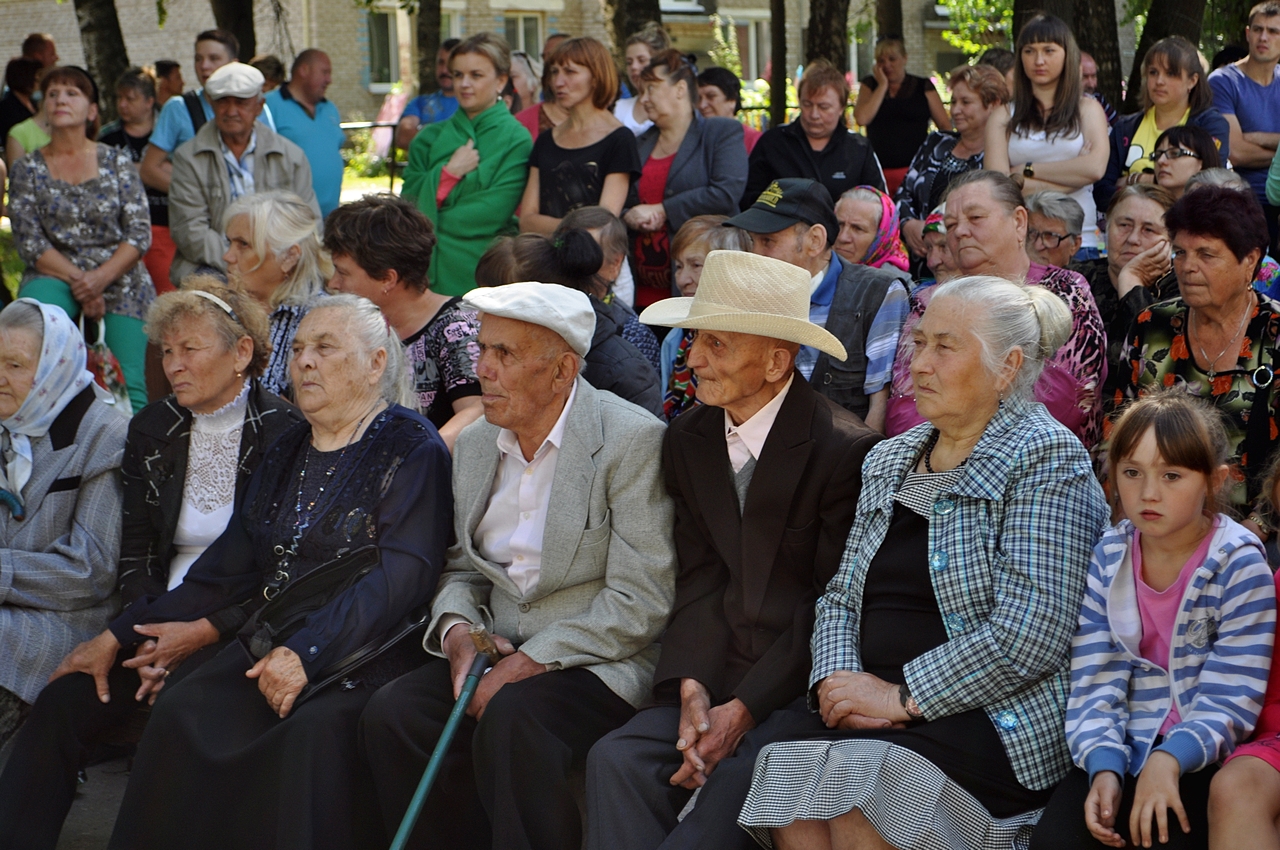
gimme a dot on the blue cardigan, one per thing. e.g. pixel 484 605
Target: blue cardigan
pixel 1220 657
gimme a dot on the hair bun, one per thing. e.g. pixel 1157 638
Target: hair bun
pixel 577 253
pixel 1054 318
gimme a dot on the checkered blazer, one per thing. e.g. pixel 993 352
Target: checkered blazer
pixel 1009 546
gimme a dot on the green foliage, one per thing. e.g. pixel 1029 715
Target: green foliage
pixel 362 159
pixel 162 13
pixel 724 53
pixel 978 24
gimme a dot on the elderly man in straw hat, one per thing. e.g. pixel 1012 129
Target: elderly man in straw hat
pixel 565 553
pixel 765 477
pixel 232 155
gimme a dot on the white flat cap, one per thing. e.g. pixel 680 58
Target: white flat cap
pixel 234 80
pixel 566 311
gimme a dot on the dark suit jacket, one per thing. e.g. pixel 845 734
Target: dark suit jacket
pixel 708 174
pixel 155 473
pixel 746 585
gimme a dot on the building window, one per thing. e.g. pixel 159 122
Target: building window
pixel 524 32
pixel 384 48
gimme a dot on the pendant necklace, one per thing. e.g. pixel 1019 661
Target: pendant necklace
pixel 1211 371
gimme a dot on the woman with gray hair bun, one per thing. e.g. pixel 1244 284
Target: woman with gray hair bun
pixel 941 647
pixel 275 255
pixel 338 543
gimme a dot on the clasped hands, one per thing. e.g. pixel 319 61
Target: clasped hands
pixel 87 288
pixel 1155 795
pixel 646 217
pixel 512 667
pixel 849 700
pixel 707 735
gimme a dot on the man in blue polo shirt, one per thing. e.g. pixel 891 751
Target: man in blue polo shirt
pixel 304 117
pixel 430 108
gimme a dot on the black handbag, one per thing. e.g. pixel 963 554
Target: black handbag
pixel 290 603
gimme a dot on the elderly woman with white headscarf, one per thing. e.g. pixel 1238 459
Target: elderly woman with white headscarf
pixel 60 452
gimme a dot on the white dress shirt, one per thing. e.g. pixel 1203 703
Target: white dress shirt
pixel 746 441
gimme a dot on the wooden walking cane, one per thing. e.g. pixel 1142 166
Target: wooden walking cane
pixel 487 655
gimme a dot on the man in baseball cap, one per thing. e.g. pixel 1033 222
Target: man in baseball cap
pixel 565 553
pixel 765 475
pixel 794 220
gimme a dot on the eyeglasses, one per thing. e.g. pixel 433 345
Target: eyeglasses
pixel 1051 240
pixel 1173 153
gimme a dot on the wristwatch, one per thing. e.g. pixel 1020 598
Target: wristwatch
pixel 1028 170
pixel 909 702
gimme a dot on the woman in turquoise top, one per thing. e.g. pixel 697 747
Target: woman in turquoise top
pixel 467 174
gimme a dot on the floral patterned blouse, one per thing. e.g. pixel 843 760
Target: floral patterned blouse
pixel 1071 384
pixel 931 173
pixel 85 222
pixel 1159 356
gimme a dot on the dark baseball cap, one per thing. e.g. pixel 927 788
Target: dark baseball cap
pixel 787 202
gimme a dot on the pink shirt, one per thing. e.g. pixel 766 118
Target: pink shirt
pixel 1159 610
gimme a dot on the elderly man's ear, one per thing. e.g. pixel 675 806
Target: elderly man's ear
pixel 568 365
pixel 782 361
pixel 815 241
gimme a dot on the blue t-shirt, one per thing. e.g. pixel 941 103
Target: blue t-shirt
pixel 173 126
pixel 1256 107
pixel 431 108
pixel 320 139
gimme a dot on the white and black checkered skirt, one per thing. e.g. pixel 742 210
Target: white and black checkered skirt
pixel 910 802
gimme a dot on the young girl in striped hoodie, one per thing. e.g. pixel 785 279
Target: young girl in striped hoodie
pixel 1170 661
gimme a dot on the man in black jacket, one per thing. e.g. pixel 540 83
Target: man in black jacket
pixel 817 145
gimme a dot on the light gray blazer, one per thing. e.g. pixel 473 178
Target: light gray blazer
pixel 200 192
pixel 608 558
pixel 58 565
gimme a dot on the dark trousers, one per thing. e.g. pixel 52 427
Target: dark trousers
pixel 1272 214
pixel 67 721
pixel 631 805
pixel 1062 825
pixel 512 769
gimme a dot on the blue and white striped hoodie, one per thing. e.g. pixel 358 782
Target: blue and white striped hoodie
pixel 1220 657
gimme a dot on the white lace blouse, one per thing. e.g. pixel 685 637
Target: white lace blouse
pixel 209 492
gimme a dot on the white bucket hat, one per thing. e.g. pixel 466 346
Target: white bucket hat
pixel 747 293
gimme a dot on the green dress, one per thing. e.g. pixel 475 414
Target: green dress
pixel 482 205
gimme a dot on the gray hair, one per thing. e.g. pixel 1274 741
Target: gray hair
pixel 858 193
pixel 1064 208
pixel 24 316
pixel 279 221
pixel 1218 177
pixel 371 331
pixel 1009 315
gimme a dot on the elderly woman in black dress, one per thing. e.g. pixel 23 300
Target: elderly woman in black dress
pixel 340 536
pixel 186 459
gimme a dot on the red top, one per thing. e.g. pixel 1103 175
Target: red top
pixel 750 136
pixel 1265 743
pixel 653 250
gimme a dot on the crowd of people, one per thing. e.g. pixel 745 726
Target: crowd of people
pixel 816 489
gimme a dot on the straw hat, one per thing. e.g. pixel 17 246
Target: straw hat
pixel 746 293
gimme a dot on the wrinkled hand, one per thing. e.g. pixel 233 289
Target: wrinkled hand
pixel 913 234
pixel 465 160
pixel 89 285
pixel 94 657
pixel 280 678
pixel 94 308
pixel 1144 269
pixel 695 719
pixel 461 651
pixel 173 644
pixel 1100 809
pixel 1156 794
pixel 512 668
pixel 728 724
pixel 861 694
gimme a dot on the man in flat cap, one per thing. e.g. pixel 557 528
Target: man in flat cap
pixel 765 476
pixel 231 156
pixel 794 220
pixel 564 552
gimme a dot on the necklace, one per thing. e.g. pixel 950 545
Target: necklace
pixel 928 452
pixel 1210 364
pixel 307 515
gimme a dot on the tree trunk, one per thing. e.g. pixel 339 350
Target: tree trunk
pixel 236 17
pixel 1233 20
pixel 1165 18
pixel 1025 10
pixel 778 63
pixel 428 45
pixel 624 17
pixel 888 17
pixel 829 31
pixel 104 50
pixel 1095 26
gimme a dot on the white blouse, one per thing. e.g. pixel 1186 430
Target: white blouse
pixel 209 492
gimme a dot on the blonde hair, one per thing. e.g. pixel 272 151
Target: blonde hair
pixel 249 320
pixel 279 221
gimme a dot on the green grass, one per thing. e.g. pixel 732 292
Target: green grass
pixel 367 185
